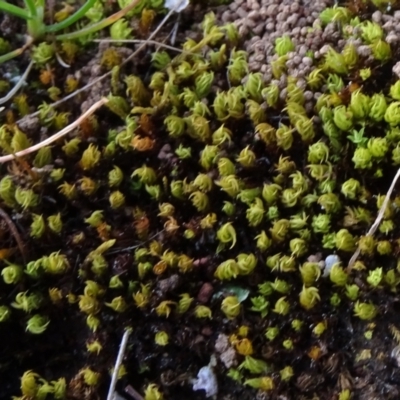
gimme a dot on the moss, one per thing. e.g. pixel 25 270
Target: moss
pixel 194 206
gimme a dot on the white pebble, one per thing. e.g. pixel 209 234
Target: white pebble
pixel 176 5
pixel 206 380
pixel 330 261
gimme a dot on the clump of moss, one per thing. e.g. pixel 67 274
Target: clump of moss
pixel 208 202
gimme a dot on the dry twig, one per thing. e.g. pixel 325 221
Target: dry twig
pixel 133 393
pixel 15 233
pixel 58 135
pixel 378 219
pixel 118 362
pixel 15 89
pixel 145 41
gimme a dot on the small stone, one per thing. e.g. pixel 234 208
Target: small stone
pixel 283 94
pixel 308 95
pixel 233 6
pixel 270 27
pixel 206 380
pixel 294 8
pixel 222 343
pixel 389 25
pixel 29 125
pixel 168 284
pixel 395 354
pixel 364 51
pixel 226 16
pixel 307 61
pixel 241 13
pixel 205 293
pixel 254 15
pixel 272 10
pixel 396 69
pixel 314 258
pixel 229 358
pixel 251 23
pixel 207 331
pixel 377 17
pixel 258 29
pixel 296 60
pixel 330 261
pixel 243 30
pixel 392 38
pixel 176 5
pixel 263 12
pixel 292 20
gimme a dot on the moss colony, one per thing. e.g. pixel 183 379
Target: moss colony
pixel 211 211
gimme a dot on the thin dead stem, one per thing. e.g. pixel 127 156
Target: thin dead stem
pixel 61 61
pixel 15 89
pixel 58 135
pixel 118 362
pixel 378 219
pixel 130 248
pixel 145 41
pixel 15 233
pixel 133 393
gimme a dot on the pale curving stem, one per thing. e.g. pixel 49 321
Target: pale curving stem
pixel 378 219
pixel 17 52
pixel 15 233
pixel 57 135
pixel 118 364
pixel 19 84
pixel 133 393
pixel 144 41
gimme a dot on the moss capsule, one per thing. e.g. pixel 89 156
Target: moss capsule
pixel 55 223
pixel 152 393
pixel 231 307
pixel 184 303
pixel 226 234
pixel 309 297
pixel 282 306
pixel 38 226
pixel 12 274
pixel 161 338
pixel 37 324
pixel 365 311
pixel 227 270
pixel 202 312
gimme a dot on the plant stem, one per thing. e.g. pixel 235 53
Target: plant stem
pixel 14 10
pixel 10 55
pixel 72 18
pixel 36 25
pixel 99 25
pixel 31 6
pixel 16 52
pixel 377 221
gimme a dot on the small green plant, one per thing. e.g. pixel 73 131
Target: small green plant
pixel 34 15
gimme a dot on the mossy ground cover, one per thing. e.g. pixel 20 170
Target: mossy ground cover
pixel 197 209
